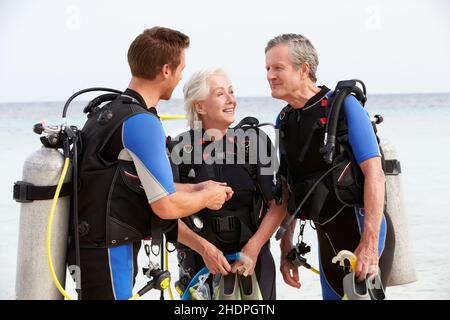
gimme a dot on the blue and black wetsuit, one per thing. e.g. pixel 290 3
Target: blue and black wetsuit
pixel 338 226
pixel 123 169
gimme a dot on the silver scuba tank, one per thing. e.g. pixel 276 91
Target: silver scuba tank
pixel 403 268
pixel 33 279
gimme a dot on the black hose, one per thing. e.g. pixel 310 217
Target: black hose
pixel 364 90
pixel 332 123
pixel 162 252
pixel 71 135
pixel 75 209
pixel 76 94
pixel 286 224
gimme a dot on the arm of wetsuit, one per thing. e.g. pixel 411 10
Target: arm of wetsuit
pixel 366 150
pixel 144 139
pixel 267 167
pixel 275 213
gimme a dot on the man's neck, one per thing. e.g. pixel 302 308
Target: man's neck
pixel 300 97
pixel 147 89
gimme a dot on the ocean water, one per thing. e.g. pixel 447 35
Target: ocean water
pixel 416 124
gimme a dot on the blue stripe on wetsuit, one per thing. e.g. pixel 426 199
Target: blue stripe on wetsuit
pixel 361 136
pixel 382 235
pixel 327 291
pixel 121 266
pixel 144 136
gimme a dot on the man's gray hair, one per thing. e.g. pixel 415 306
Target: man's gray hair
pixel 301 49
pixel 197 89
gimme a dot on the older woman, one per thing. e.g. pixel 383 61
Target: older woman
pixel 212 152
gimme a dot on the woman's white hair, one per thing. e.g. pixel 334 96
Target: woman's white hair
pixel 197 89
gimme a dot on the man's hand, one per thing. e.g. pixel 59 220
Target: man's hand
pixel 367 255
pixel 205 184
pixel 289 272
pixel 216 194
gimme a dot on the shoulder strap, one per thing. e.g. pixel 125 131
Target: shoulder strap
pixel 281 123
pixel 178 150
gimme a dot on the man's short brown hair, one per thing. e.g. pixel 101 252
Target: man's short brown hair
pixel 154 48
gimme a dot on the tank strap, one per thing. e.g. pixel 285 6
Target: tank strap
pixel 28 192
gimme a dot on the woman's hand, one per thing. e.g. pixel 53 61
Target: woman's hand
pixel 214 259
pixel 246 265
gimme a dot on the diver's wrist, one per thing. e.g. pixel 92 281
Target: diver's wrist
pixel 254 243
pixel 203 246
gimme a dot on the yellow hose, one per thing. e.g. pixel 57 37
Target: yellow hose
pixel 314 270
pixel 135 297
pixel 171 116
pixel 49 230
pixel 166 262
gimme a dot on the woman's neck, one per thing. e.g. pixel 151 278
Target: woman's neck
pixel 215 132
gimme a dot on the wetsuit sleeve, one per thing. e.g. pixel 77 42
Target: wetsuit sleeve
pixel 143 137
pixel 361 135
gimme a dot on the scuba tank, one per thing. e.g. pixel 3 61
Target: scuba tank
pixel 39 250
pixel 403 269
pixel 33 281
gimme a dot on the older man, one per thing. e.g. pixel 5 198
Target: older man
pixel 291 64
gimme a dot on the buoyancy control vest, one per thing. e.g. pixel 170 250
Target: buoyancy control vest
pixel 323 186
pixel 113 208
pixel 196 159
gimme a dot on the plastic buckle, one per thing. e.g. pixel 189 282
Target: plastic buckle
pixel 20 191
pixel 223 224
pixel 393 167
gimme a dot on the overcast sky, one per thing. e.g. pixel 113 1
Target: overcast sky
pixel 50 49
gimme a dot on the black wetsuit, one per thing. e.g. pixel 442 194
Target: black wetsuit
pixel 230 228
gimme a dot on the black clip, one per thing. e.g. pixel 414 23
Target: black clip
pixel 20 191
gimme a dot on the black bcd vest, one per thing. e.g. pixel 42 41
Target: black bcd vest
pixel 224 228
pixel 302 132
pixel 112 206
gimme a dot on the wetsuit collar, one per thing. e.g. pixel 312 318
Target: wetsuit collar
pixel 316 98
pixel 135 95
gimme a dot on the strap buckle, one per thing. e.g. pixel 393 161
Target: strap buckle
pixel 392 167
pixel 20 191
pixel 223 224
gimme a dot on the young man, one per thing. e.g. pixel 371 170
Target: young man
pixel 127 190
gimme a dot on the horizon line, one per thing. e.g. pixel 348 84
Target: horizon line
pixel 239 97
